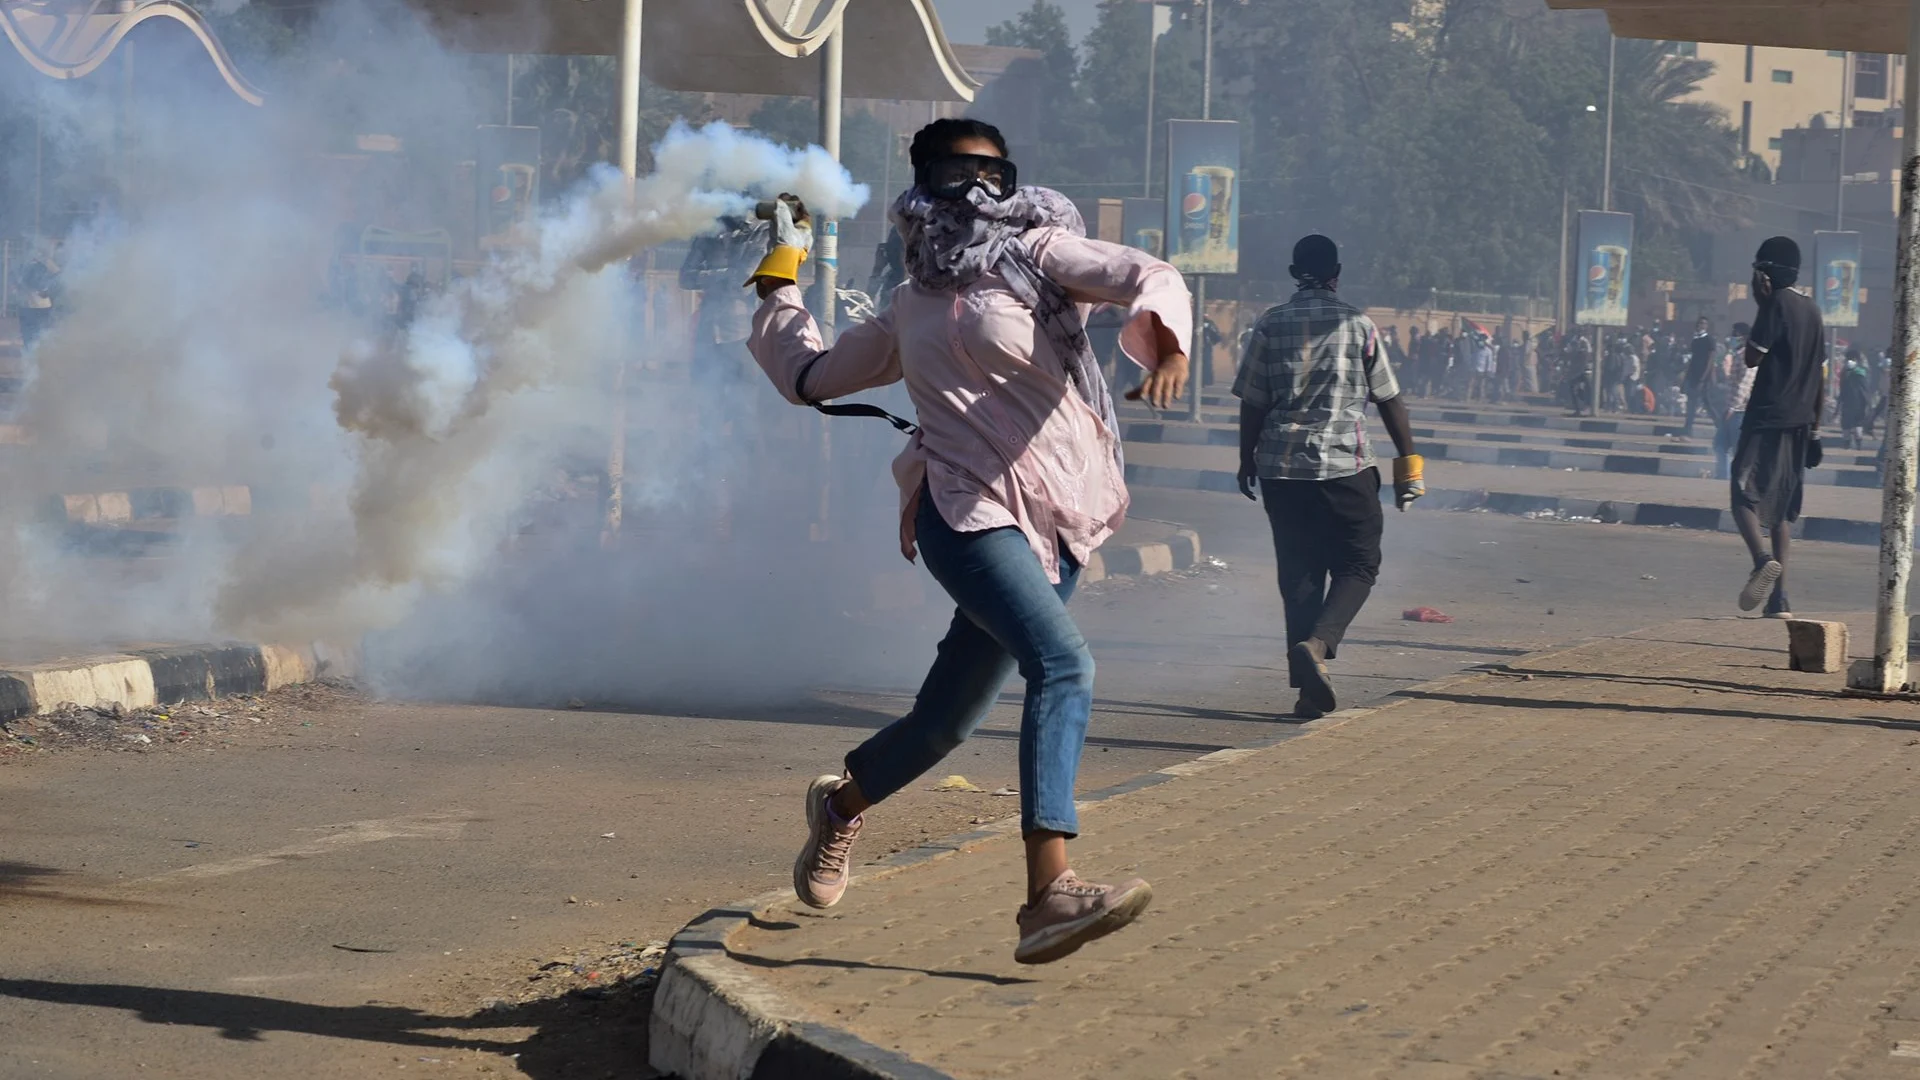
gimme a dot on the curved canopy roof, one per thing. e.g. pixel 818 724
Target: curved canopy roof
pixel 69 39
pixel 1856 25
pixel 895 49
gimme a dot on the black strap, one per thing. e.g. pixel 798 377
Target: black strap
pixel 900 423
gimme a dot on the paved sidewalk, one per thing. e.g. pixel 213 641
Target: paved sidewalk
pixel 1662 855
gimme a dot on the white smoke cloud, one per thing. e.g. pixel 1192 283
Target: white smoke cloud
pixel 389 471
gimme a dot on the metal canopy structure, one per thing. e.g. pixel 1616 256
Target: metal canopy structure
pixel 1861 26
pixel 894 49
pixel 70 39
pixel 1855 25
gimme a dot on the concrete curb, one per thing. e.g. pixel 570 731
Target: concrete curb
pixel 715 1019
pixel 166 676
pixel 1610 511
pixel 1179 552
pixel 1684 462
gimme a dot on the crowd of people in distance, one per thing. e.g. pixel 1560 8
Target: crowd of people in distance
pixel 1657 370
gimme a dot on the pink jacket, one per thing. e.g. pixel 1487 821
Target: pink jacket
pixel 1005 439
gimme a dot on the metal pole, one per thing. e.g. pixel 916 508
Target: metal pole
pixel 1606 157
pixel 509 89
pixel 1846 107
pixel 1206 66
pixel 1153 53
pixel 1198 376
pixel 629 113
pixel 39 169
pixel 826 254
pixel 1599 365
pixel 630 90
pixel 826 242
pixel 1889 669
pixel 1606 203
pixel 1560 297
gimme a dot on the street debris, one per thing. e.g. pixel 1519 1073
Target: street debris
pixel 620 969
pixel 205 724
pixel 1006 791
pixel 606 836
pixel 956 782
pixel 1426 614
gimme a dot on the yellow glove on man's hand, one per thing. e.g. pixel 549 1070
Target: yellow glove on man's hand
pixel 1409 480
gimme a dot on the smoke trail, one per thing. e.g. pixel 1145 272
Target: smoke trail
pixel 440 416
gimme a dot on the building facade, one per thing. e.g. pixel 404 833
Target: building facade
pixel 1767 91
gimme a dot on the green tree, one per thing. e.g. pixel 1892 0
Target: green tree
pixel 1056 160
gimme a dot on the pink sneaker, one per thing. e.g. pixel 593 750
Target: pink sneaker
pixel 820 873
pixel 1073 912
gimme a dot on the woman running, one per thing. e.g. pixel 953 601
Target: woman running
pixel 1011 483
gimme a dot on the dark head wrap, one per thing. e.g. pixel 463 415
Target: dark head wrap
pixel 1779 259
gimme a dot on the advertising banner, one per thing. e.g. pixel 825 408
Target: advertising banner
pixel 1202 231
pixel 1606 267
pixel 506 179
pixel 1836 282
pixel 1143 224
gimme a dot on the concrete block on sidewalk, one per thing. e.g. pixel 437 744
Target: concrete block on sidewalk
pixel 1816 646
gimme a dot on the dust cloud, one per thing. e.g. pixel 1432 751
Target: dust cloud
pixel 397 474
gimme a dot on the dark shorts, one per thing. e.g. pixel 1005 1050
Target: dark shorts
pixel 1769 466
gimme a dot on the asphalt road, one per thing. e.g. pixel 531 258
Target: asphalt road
pixel 338 893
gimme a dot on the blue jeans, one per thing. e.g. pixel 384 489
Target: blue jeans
pixel 1009 617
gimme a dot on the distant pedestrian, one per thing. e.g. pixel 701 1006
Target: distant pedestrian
pixel 1700 353
pixel 40 294
pixel 1780 436
pixel 1314 364
pixel 1856 397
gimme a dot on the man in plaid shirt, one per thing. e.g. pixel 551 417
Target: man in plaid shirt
pixel 1311 367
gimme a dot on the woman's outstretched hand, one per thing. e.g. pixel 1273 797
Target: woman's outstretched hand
pixel 1165 385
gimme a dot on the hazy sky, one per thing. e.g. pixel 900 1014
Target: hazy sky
pixel 966 21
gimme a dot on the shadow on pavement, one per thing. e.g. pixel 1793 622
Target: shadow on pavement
pixel 1546 705
pixel 1676 682
pixel 585 1034
pixel 27 881
pixel 756 960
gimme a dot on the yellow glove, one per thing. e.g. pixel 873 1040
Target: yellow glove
pixel 780 264
pixel 1409 480
pixel 788 241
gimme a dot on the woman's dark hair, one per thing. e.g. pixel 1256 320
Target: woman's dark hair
pixel 938 138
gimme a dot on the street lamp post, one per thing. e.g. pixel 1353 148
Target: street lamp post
pixel 629 113
pixel 1156 14
pixel 1200 347
pixel 1606 203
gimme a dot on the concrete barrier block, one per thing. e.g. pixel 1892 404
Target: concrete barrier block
pixel 107 681
pixel 287 665
pixel 1816 646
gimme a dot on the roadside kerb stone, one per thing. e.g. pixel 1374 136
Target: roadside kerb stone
pixel 168 676
pixel 1832 530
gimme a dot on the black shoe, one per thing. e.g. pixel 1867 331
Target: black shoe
pixel 1777 606
pixel 1304 711
pixel 1316 685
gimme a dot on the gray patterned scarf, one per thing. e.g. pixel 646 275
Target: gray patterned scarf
pixel 951 243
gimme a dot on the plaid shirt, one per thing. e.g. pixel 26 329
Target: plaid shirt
pixel 1313 363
